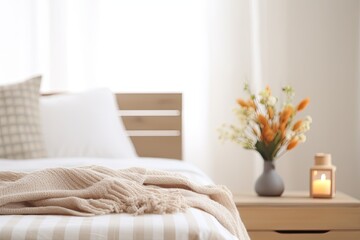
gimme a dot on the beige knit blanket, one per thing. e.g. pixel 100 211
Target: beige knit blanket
pixel 96 190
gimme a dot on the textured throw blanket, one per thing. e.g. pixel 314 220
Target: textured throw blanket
pixel 95 190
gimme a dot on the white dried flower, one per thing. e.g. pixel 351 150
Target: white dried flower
pixel 308 119
pixel 271 101
pixel 264 94
pixel 288 90
pixel 305 127
pixel 289 135
pixel 302 138
pixel 248 144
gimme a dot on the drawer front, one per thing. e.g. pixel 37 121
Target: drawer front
pixel 331 235
pixel 299 218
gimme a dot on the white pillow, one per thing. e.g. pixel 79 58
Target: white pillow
pixel 84 125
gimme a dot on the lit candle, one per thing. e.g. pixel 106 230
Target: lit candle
pixel 322 186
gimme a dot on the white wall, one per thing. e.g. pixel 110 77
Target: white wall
pixel 323 42
pixel 312 45
pixel 230 63
pixel 17 41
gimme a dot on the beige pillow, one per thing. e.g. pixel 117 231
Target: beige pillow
pixel 20 130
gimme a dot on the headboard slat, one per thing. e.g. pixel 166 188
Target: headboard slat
pixel 152 123
pixel 151 119
pixel 162 147
pixel 149 101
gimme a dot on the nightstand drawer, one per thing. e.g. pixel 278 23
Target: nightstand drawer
pixel 300 218
pixel 331 235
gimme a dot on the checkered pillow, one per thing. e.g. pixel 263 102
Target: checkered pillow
pixel 20 130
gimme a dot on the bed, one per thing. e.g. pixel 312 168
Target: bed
pixel 153 122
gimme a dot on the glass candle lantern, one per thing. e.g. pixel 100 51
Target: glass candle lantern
pixel 322 177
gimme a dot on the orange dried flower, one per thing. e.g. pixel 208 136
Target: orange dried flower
pixel 270 112
pixel 242 102
pixel 297 125
pixel 269 135
pixel 262 120
pixel 286 114
pixel 251 104
pixel 303 104
pixel 268 89
pixel 275 127
pixel 292 144
pixel 263 130
pixel 282 130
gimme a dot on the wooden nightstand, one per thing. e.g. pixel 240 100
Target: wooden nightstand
pixel 297 216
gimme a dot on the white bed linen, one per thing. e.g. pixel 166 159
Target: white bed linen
pixel 177 166
pixel 193 224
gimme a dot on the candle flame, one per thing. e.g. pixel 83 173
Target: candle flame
pixel 323 177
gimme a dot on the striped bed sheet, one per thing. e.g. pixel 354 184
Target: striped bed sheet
pixel 192 224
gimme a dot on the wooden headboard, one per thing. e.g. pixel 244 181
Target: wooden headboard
pixel 153 122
